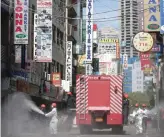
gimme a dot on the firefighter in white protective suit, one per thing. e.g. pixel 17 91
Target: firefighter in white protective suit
pixel 137 119
pixel 54 119
pixel 138 115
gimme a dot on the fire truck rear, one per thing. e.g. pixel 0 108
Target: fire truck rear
pixel 99 102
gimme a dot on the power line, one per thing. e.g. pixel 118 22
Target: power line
pixel 94 19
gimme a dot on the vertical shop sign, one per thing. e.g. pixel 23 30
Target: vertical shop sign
pixel 21 21
pixel 125 61
pixel 89 30
pixel 44 31
pixel 68 72
pixel 146 65
pixel 162 16
pixel 152 16
pixel 35 35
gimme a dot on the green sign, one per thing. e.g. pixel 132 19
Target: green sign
pixel 153 26
pixel 20 35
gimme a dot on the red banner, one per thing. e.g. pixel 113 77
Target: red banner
pixel 56 79
pixel 146 64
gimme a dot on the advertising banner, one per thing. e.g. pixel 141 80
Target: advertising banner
pixel 89 30
pixel 146 64
pixel 152 15
pixel 18 54
pixel 68 73
pixel 162 16
pixel 43 48
pixel 21 9
pixel 56 79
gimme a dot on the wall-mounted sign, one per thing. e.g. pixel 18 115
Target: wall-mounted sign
pixel 56 79
pixel 89 30
pixel 152 15
pixel 43 22
pixel 68 73
pixel 107 40
pixel 21 21
pixel 143 42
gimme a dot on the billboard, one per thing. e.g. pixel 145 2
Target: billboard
pixel 21 21
pixel 43 48
pixel 152 16
pixel 68 73
pixel 162 16
pixel 89 30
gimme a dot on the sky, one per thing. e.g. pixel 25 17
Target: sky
pixel 103 6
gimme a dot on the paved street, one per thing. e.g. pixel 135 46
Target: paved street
pixel 129 131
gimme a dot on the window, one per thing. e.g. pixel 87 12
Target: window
pixel 54 33
pixel 58 36
pixel 61 38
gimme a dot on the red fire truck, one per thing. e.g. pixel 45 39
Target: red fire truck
pixel 99 102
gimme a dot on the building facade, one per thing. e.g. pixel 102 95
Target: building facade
pixel 137 78
pixel 129 26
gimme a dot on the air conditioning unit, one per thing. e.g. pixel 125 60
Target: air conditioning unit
pixel 48 77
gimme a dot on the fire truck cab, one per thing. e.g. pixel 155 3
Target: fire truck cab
pixel 99 102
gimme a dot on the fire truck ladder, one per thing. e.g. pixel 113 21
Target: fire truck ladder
pixel 82 111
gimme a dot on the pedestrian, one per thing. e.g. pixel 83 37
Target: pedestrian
pixel 125 108
pixel 54 119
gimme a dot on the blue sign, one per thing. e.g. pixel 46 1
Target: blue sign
pixel 162 16
pixel 19 73
pixel 127 81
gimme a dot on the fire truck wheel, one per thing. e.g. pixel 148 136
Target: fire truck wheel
pixel 118 129
pixel 85 129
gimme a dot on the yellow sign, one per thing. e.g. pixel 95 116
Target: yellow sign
pixel 151 15
pixel 81 60
pixel 143 42
pixel 111 40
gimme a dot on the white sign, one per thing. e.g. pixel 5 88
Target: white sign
pixel 68 72
pixel 89 30
pixel 143 42
pixel 125 61
pixel 35 35
pixel 43 49
pixel 21 21
pixel 107 48
pixel 88 69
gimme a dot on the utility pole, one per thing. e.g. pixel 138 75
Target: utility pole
pixel 66 31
